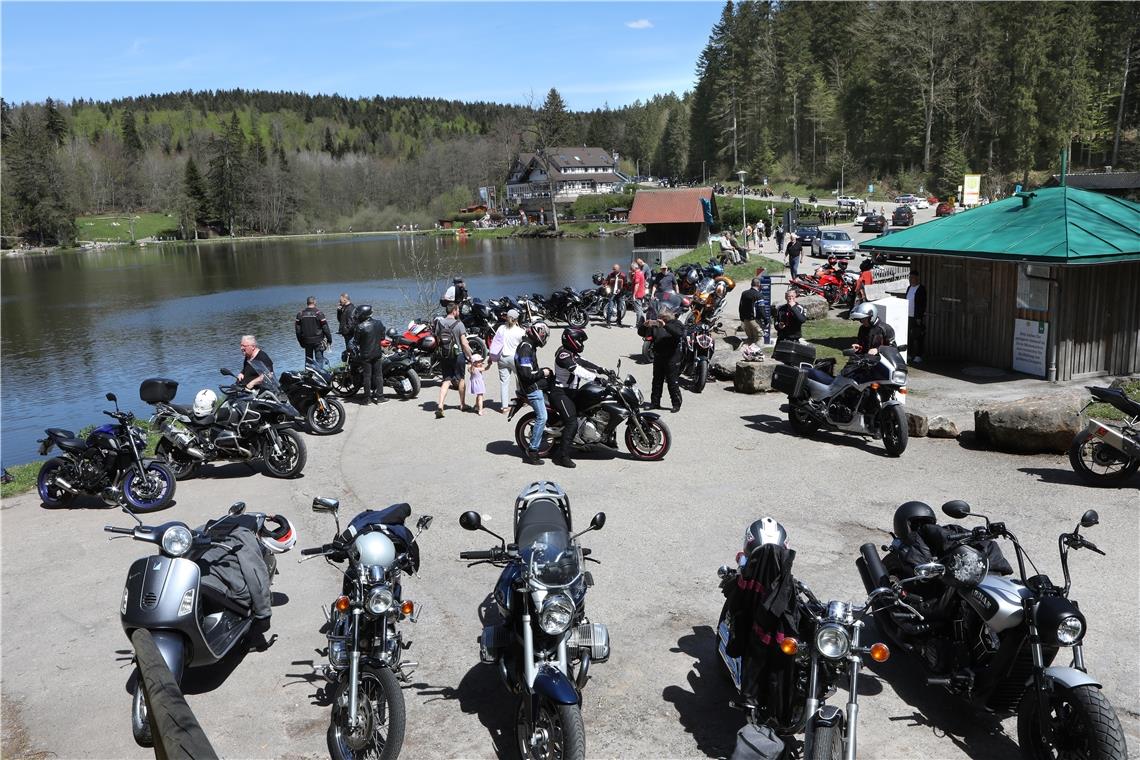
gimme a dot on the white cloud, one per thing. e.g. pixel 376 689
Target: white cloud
pixel 641 23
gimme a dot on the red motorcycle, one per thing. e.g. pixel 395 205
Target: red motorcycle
pixel 419 341
pixel 834 285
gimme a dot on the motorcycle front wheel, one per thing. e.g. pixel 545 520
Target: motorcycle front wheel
pixel 1084 726
pixel 557 733
pixel 184 467
pixel 151 490
pixel 651 447
pixel 478 346
pixel 413 388
pixel 647 349
pixel 50 494
pixel 381 715
pixel 1099 464
pixel 827 743
pixel 576 317
pixel 325 417
pixel 700 375
pixel 290 460
pixel 523 429
pixel 892 421
pixel 140 719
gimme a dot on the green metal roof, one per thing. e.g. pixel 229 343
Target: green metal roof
pixel 1060 225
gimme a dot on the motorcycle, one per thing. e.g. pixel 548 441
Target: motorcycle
pixel 680 306
pixel 991 639
pixel 398 368
pixel 195 597
pixel 310 393
pixel 786 687
pixel 565 305
pixel 481 320
pixel 1103 454
pixel 866 398
pixel 365 647
pixel 243 428
pixel 834 286
pixel 696 353
pixel 603 404
pixel 108 463
pixel 709 298
pixel 542 644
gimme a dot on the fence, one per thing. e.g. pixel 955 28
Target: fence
pixel 177 734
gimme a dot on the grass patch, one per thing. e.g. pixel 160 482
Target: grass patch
pixel 1110 412
pixel 830 336
pixel 742 273
pixel 117 227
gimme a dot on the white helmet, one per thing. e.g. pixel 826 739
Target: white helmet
pixel 279 539
pixel 375 548
pixel 204 402
pixel 864 311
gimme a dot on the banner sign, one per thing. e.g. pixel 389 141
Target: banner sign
pixel 1030 339
pixel 972 190
pixel 765 306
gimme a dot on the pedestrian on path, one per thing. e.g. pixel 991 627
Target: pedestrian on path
pixel 533 381
pixel 750 311
pixel 451 337
pixel 667 335
pixel 313 334
pixel 789 318
pixel 345 324
pixel 916 318
pixel 502 352
pixel 792 256
pixel 475 383
pixel 369 332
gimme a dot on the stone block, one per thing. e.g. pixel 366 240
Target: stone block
pixel 815 306
pixel 1034 425
pixel 723 364
pixel 753 377
pixel 916 425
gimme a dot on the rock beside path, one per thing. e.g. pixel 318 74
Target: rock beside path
pixel 941 427
pixel 753 377
pixel 815 306
pixel 723 364
pixel 1034 425
pixel 916 425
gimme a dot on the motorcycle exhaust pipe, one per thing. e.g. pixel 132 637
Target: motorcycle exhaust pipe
pixel 61 483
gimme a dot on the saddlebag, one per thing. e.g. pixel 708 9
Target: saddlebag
pixel 793 352
pixel 757 743
pixel 789 380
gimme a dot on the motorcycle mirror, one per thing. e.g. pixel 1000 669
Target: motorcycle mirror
pixel 470 520
pixel 424 522
pixel 322 504
pixel 1089 519
pixel 237 508
pixel 929 570
pixel 598 521
pixel 956 509
pixel 227 372
pixel 112 397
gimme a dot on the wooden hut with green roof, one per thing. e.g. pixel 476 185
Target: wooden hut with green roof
pixel 1045 282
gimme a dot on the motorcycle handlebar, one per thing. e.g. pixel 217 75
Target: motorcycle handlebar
pixel 481 554
pixel 121 531
pixel 314 550
pixel 875 567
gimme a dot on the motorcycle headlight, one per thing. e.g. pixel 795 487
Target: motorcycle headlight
pixel 1070 630
pixel 831 641
pixel 379 601
pixel 557 612
pixel 898 377
pixel 176 540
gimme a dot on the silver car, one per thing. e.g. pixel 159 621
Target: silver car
pixel 835 243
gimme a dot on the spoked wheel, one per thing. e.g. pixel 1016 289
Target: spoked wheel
pixel 1085 726
pixel 343 383
pixel 557 732
pixel 325 416
pixel 653 444
pixel 893 423
pixel 50 494
pixel 289 459
pixel 140 718
pixel 150 490
pixel 407 386
pixel 379 732
pixel 523 430
pixel 1099 464
pixel 183 466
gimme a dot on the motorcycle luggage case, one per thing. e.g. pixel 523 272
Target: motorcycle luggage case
pixel 793 352
pixel 158 389
pixel 789 380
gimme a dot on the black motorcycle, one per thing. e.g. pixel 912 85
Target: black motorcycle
pixel 991 639
pixel 603 405
pixel 398 367
pixel 108 463
pixel 242 428
pixel 565 305
pixel 310 393
pixel 364 645
pixel 696 354
pixel 1104 453
pixel 542 643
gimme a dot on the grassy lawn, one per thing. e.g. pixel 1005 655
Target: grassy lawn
pixel 1109 412
pixel 113 227
pixel 831 336
pixel 742 273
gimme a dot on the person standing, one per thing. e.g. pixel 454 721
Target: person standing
pixel 502 351
pixel 916 317
pixel 639 288
pixel 664 283
pixel 615 281
pixel 789 318
pixel 345 324
pixel 750 306
pixel 795 248
pixel 571 372
pixel 367 336
pixel 476 385
pixel 667 336
pixel 779 238
pixel 456 293
pixel 258 367
pixel 451 336
pixel 533 379
pixel 313 334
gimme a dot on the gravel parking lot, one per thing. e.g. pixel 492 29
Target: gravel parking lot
pixel 662 694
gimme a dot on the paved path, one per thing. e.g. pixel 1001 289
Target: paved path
pixel 662 694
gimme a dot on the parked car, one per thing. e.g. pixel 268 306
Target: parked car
pixel 932 200
pixel 807 236
pixel 906 200
pixel 874 223
pixel 835 243
pixel 944 209
pixel 903 217
pixel 860 217
pixel 921 203
pixel 848 200
pixel 883 258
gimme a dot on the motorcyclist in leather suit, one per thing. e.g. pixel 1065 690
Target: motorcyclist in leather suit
pixel 367 336
pixel 533 379
pixel 571 371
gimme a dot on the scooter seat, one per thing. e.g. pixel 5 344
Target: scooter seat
pixel 542 516
pixel 1115 397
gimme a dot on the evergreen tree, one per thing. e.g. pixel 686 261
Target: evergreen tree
pixel 54 122
pixel 194 187
pixel 952 166
pixel 552 120
pixel 131 140
pixel 227 176
pixel 674 150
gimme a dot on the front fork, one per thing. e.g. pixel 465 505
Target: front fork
pixel 354 669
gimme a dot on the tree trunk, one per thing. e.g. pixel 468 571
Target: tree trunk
pixel 929 123
pixel 1120 109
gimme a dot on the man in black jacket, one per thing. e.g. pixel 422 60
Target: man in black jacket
pixel 369 332
pixel 571 372
pixel 667 336
pixel 750 311
pixel 789 317
pixel 313 334
pixel 533 379
pixel 345 324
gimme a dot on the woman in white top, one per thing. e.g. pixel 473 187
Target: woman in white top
pixel 502 350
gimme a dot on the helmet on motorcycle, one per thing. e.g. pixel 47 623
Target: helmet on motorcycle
pixel 715 268
pixel 910 516
pixel 277 534
pixel 764 531
pixel 537 333
pixel 864 311
pixel 865 265
pixel 692 275
pixel 374 548
pixel 831 260
pixel 574 339
pixel 363 312
pixel 204 402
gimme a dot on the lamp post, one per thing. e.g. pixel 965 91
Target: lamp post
pixel 703 180
pixel 743 213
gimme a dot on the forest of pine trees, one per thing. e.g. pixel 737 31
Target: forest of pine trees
pixel 899 94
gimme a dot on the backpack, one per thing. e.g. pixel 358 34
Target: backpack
pixel 444 330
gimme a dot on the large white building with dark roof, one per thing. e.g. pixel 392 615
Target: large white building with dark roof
pixel 573 172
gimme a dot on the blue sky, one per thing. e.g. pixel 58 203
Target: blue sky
pixel 511 52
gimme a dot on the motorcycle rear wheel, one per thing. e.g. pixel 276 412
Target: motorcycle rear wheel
pixel 183 466
pixel 291 461
pixel 381 706
pixel 654 449
pixel 1084 724
pixel 1099 464
pixel 52 495
pixel 325 421
pixel 576 317
pixel 411 393
pixel 802 422
pixel 700 375
pixel 892 421
pixel 522 435
pixel 343 383
pixel 145 496
pixel 562 726
pixel 647 349
pixel 140 718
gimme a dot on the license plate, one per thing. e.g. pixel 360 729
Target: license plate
pixel 406 384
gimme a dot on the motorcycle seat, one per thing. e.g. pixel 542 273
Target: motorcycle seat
pixel 393 515
pixel 1116 397
pixel 402 341
pixel 820 376
pixel 66 440
pixel 542 516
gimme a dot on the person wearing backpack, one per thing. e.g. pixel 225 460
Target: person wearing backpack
pixel 451 337
pixel 313 334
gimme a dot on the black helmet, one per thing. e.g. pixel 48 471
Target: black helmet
pixel 865 265
pixel 910 516
pixel 363 312
pixel 537 333
pixel 763 532
pixel 574 339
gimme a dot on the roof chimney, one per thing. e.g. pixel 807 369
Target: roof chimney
pixel 1108 170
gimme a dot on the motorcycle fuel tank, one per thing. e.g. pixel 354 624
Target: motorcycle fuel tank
pixel 589 396
pixel 998 601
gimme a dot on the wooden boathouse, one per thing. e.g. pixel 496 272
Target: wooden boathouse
pixel 676 221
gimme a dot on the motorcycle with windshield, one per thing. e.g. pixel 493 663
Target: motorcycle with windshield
pixel 365 647
pixel 542 642
pixel 309 391
pixel 1105 454
pixel 243 428
pixel 992 639
pixel 603 404
pixel 109 463
pixel 565 305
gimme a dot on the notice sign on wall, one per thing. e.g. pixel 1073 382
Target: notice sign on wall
pixel 1030 338
pixel 972 190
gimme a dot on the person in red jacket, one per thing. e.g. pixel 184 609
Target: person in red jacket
pixel 639 289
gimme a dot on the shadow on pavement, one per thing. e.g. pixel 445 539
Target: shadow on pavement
pixel 767 423
pixel 1054 475
pixel 322 696
pixel 703 709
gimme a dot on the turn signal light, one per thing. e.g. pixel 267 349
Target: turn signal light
pixel 408 607
pixel 789 646
pixel 874 386
pixel 902 390
pixel 342 604
pixel 880 652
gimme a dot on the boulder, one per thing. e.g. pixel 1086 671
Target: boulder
pixel 941 427
pixel 753 377
pixel 723 364
pixel 815 306
pixel 916 425
pixel 1040 424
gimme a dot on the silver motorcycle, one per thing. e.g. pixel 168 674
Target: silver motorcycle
pixel 1106 454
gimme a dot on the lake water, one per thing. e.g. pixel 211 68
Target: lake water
pixel 74 326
